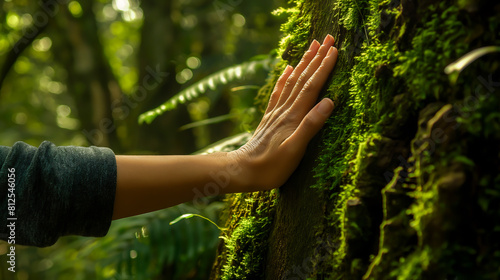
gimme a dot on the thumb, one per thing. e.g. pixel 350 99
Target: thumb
pixel 312 123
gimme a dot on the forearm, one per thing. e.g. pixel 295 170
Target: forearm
pixel 150 183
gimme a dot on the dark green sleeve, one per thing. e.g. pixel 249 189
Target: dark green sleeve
pixel 58 191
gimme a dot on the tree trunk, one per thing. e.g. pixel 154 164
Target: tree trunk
pixel 90 79
pixel 403 182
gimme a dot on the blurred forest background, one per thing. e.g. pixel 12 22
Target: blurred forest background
pixel 82 72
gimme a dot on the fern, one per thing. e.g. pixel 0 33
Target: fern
pixel 245 112
pixel 146 246
pixel 228 144
pixel 207 122
pixel 223 77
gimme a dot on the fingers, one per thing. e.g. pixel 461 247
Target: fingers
pixel 273 100
pixel 313 66
pixel 309 92
pixel 292 80
pixel 310 125
pixel 297 89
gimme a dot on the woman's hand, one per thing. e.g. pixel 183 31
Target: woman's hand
pixel 149 183
pixel 289 123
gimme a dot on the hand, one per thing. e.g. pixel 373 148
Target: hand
pixel 150 183
pixel 289 123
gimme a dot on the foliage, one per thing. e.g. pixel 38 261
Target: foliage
pixel 173 251
pixel 140 247
pixel 89 65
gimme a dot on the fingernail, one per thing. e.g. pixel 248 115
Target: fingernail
pixel 325 107
pixel 327 39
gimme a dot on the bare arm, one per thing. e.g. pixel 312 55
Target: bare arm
pixel 149 183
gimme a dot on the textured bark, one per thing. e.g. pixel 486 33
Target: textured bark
pixel 405 174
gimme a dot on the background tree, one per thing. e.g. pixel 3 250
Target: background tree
pixel 81 73
pixel 403 182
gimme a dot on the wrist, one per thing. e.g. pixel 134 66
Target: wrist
pixel 237 169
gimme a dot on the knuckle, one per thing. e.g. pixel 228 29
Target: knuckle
pixel 307 55
pixel 309 122
pixel 302 79
pixel 290 82
pixel 310 86
pixel 290 116
pixel 274 96
pixel 282 79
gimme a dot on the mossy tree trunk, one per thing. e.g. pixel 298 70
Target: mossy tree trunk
pixel 404 180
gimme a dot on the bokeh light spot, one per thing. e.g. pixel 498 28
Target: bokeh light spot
pixel 75 9
pixel 239 20
pixel 49 71
pixel 133 254
pixel 189 21
pixel 117 28
pixel 26 20
pixel 193 62
pixel 109 12
pixel 22 65
pixel 4 45
pixel 184 76
pixel 20 118
pixel 132 15
pixel 12 20
pixel 63 110
pixel 55 87
pixel 42 45
pixel 125 51
pixel 121 5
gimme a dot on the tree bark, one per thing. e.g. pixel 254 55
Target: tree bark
pixel 403 180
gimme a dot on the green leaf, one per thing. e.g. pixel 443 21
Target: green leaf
pixel 189 216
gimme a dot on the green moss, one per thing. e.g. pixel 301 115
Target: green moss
pixel 244 250
pixel 297 32
pixel 249 223
pixel 401 172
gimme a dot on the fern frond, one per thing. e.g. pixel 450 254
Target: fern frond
pixel 207 122
pixel 219 119
pixel 223 77
pixel 228 144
